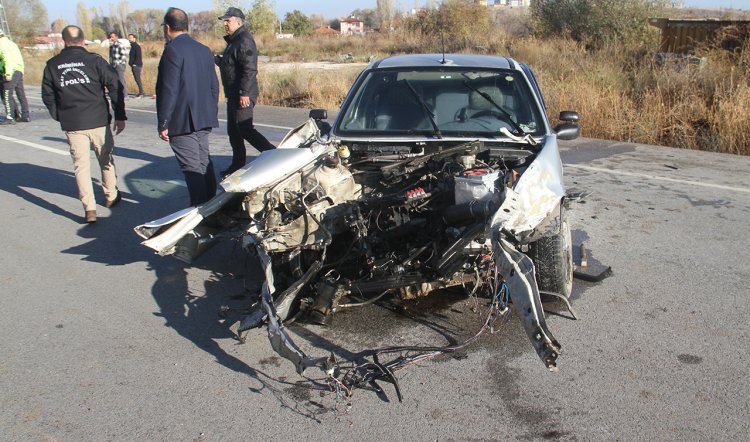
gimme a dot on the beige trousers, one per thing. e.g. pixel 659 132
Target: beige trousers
pixel 81 142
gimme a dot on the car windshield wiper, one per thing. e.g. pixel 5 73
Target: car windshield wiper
pixel 425 108
pixel 508 117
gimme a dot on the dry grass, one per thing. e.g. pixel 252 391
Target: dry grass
pixel 620 93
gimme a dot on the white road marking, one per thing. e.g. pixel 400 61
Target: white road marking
pixel 657 178
pixel 146 111
pixel 35 145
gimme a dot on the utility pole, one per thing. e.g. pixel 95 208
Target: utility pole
pixel 3 20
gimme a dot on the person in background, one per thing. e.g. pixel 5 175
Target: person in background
pixel 117 59
pixel 73 89
pixel 187 100
pixel 135 60
pixel 11 67
pixel 239 69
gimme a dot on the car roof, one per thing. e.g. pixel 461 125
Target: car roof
pixel 444 60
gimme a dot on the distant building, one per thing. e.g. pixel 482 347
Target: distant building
pixel 684 36
pixel 325 30
pixel 508 2
pixel 49 42
pixel 352 26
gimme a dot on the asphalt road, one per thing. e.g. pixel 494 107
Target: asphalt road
pixel 103 340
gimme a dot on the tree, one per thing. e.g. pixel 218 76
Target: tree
pixel 99 22
pixel 119 13
pixel 335 23
pixel 385 15
pixel 261 19
pixel 317 20
pixel 594 22
pixel 26 18
pixel 462 23
pixel 97 33
pixel 203 22
pixel 58 25
pixel 84 19
pixel 368 15
pixel 144 23
pixel 297 23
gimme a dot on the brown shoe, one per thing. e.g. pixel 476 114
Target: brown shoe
pixel 113 203
pixel 91 216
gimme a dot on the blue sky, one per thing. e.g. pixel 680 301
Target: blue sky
pixel 328 8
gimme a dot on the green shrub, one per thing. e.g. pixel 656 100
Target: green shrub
pixel 595 23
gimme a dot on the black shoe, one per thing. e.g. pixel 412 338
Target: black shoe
pixel 23 119
pixel 8 121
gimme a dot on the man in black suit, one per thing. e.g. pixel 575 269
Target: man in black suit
pixel 187 96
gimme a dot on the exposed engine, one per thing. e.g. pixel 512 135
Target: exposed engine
pixel 339 225
pixel 371 219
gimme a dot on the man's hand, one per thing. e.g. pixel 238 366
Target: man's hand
pixel 244 102
pixel 164 134
pixel 8 77
pixel 119 126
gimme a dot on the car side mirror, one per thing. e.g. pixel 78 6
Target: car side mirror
pixel 569 128
pixel 318 114
pixel 570 116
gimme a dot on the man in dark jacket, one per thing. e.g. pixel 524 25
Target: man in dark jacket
pixel 187 97
pixel 135 60
pixel 239 68
pixel 73 89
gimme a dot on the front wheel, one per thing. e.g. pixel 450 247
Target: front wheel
pixel 553 259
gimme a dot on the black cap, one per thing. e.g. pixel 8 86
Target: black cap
pixel 233 12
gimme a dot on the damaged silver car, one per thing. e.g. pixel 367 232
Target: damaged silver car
pixel 439 171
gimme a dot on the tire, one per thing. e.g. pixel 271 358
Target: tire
pixel 553 259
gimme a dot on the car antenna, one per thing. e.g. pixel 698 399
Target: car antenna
pixel 442 42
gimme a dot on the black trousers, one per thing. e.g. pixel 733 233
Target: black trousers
pixel 137 76
pixel 240 129
pixel 15 85
pixel 191 151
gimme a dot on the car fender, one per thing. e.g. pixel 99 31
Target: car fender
pixel 535 196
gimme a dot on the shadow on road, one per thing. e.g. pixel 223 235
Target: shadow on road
pixel 187 299
pixel 56 139
pixel 17 177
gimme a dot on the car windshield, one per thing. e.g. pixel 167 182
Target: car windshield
pixel 445 102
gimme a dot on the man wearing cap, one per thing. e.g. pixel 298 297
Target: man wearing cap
pixel 11 69
pixel 239 69
pixel 73 87
pixel 187 100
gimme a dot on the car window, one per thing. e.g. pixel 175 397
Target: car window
pixel 456 102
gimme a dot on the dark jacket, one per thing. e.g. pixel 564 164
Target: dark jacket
pixel 73 90
pixel 187 90
pixel 136 57
pixel 239 66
